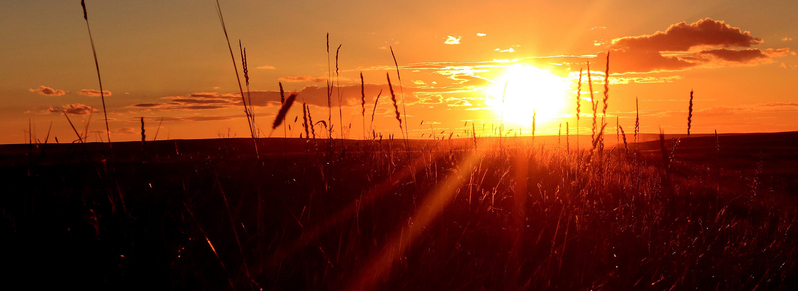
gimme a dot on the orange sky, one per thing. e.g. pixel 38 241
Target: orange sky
pixel 169 60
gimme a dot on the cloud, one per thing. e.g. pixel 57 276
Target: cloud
pixel 753 108
pixel 194 118
pixel 705 43
pixel 429 98
pixel 302 79
pixel 509 50
pixel 123 130
pixel 643 80
pixel 460 103
pixel 786 39
pixel 266 67
pixel 313 95
pixel 75 109
pixel 683 36
pixel 464 74
pixel 641 61
pixel 94 93
pixel 745 56
pixel 452 40
pixel 47 91
pixel 481 34
pixel 194 101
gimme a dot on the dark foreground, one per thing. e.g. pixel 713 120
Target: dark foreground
pixel 210 215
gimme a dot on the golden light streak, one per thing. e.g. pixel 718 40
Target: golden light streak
pixel 433 205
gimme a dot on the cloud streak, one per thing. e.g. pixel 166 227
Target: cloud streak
pixel 75 109
pixel 47 91
pixel 312 95
pixel 302 79
pixel 94 93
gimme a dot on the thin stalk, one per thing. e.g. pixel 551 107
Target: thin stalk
pixel 97 66
pixel 238 78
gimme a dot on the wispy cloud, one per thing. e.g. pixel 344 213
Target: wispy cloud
pixel 75 109
pixel 459 103
pixel 47 91
pixel 302 79
pixel 643 80
pixel 312 95
pixel 124 130
pixel 481 34
pixel 266 67
pixel 452 40
pixel 94 93
pixel 745 56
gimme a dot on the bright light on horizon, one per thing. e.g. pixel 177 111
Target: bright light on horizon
pixel 528 89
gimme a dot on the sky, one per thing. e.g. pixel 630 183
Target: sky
pixel 462 64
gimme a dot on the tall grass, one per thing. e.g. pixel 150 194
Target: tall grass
pixel 97 67
pixel 247 112
pixel 690 113
pixel 606 98
pixel 444 218
pixel 402 91
pixel 395 107
pixel 578 105
pixel 363 103
pixel 339 95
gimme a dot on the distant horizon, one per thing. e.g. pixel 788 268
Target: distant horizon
pixel 51 141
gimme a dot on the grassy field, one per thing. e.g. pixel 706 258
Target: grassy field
pixel 208 214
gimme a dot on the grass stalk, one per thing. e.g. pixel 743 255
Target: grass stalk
pixel 238 78
pixel 690 114
pixel 70 124
pixel 97 67
pixel 402 91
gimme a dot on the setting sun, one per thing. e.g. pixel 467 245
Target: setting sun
pixel 528 89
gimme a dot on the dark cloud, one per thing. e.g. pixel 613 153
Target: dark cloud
pixel 94 93
pixel 781 104
pixel 75 109
pixel 683 46
pixel 199 101
pixel 745 56
pixel 641 61
pixel 302 79
pixel 312 95
pixel 195 101
pixel 47 91
pixel 683 36
pixel 754 108
pixel 191 118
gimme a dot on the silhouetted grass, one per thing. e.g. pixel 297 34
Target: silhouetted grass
pixel 193 222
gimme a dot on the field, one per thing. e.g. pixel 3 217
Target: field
pixel 464 214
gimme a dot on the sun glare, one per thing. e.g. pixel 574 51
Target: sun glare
pixel 525 89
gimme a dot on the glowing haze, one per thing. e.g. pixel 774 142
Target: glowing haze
pixel 461 63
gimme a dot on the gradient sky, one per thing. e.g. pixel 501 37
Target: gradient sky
pixel 169 59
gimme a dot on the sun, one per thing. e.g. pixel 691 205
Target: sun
pixel 524 90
